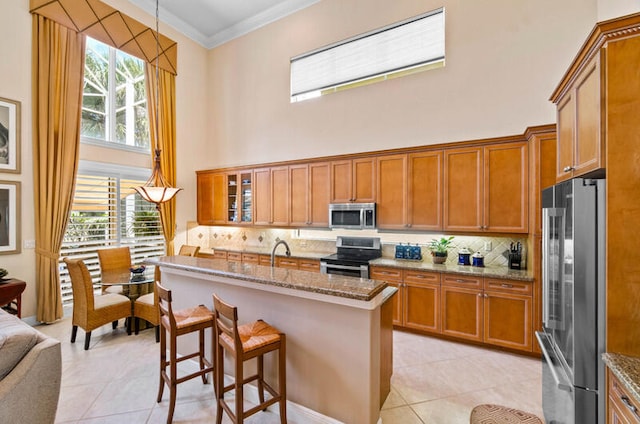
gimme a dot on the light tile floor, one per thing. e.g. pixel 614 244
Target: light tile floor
pixel 434 381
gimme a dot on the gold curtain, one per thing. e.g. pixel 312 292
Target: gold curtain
pixel 57 80
pixel 166 141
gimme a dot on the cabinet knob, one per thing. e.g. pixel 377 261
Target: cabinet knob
pixel 486 295
pixel 568 168
pixel 479 294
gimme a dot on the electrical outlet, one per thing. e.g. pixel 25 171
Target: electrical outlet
pixel 29 244
pixel 488 246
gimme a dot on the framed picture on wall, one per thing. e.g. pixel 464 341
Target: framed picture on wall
pixel 9 217
pixel 9 136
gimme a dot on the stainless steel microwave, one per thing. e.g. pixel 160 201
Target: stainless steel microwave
pixel 352 216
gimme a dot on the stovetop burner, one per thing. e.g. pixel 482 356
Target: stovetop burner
pixel 355 251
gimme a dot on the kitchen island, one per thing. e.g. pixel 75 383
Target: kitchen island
pixel 339 330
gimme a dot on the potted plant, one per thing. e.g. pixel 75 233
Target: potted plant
pixel 438 248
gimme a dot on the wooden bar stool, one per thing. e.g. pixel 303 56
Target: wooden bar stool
pixel 178 323
pixel 245 342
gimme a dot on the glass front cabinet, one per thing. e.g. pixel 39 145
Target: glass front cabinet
pixel 239 205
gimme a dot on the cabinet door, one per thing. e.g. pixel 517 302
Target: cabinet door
pixel 391 207
pixel 507 320
pixel 319 176
pixel 311 265
pixel 280 196
pixel 262 196
pixel 463 189
pixel 424 197
pixel 364 180
pixel 566 124
pixel 461 312
pixel 353 180
pixel 232 198
pixel 245 197
pixel 285 262
pixel 422 300
pixel 211 204
pixel 588 146
pixel 341 181
pixel 393 277
pixel 506 188
pixel 299 198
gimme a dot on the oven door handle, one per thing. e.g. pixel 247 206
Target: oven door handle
pixel 547 351
pixel 354 268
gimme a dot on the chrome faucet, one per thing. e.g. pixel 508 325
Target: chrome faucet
pixel 273 252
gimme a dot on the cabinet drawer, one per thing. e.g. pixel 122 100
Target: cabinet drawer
pixel 508 286
pixel 421 277
pixel 251 258
pixel 627 405
pixel 462 281
pixel 220 254
pixel 309 265
pixel 264 260
pixel 284 262
pixel 385 274
pixel 234 256
pixel 208 255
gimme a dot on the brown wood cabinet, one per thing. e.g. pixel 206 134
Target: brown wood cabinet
pixel 462 307
pixel 239 197
pixel 211 202
pixel 409 191
pixel 271 196
pixel 486 188
pixel 580 143
pixel 422 300
pixel 299 191
pixel 507 314
pixel 393 277
pixel 353 180
pixel 311 265
pixel 286 262
pixel 621 406
pixel 310 192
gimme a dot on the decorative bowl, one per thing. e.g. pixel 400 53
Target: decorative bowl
pixel 137 269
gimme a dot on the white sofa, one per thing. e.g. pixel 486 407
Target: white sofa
pixel 30 373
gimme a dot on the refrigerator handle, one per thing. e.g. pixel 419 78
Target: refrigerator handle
pixel 545 346
pixel 546 240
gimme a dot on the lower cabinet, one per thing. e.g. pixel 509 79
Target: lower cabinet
pixel 622 408
pixel 488 310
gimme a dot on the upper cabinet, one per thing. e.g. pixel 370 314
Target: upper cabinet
pixel 239 197
pixel 310 191
pixel 353 180
pixel 486 188
pixel 580 141
pixel 211 207
pixel 409 191
pixel 271 196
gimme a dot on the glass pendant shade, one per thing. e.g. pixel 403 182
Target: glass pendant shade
pixel 158 194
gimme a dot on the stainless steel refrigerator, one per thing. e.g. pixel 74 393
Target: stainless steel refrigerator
pixel 573 302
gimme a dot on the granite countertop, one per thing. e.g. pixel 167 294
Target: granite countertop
pixel 489 271
pixel 267 251
pixel 627 369
pixel 328 284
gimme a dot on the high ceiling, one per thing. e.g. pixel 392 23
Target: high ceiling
pixel 214 22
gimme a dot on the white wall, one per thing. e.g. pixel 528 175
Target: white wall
pixel 609 9
pixel 503 60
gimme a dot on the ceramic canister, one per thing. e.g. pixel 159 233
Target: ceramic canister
pixel 464 256
pixel 478 259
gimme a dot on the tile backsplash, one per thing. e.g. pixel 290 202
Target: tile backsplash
pixel 321 241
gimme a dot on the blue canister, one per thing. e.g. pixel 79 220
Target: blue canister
pixel 464 256
pixel 478 259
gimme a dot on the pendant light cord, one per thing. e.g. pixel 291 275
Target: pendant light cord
pixel 157 139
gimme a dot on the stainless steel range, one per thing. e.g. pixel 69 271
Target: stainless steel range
pixel 353 256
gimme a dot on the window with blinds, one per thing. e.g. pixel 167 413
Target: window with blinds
pixel 409 46
pixel 107 212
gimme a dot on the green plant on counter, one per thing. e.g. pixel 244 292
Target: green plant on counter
pixel 438 247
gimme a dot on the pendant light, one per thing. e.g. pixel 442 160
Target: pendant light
pixel 157 190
